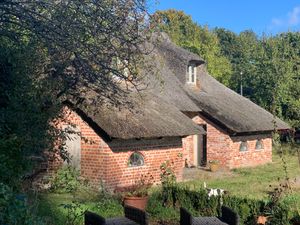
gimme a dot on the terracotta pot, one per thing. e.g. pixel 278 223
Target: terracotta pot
pixel 262 220
pixel 214 167
pixel 137 202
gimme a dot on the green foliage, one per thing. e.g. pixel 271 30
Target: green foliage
pixel 247 209
pixel 168 181
pixel 58 208
pixel 14 209
pixel 140 188
pixel 74 212
pixel 109 205
pixel 199 204
pixel 267 68
pixel 27 104
pixel 66 180
pixel 195 38
pixel 167 173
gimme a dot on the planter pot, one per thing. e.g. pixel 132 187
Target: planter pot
pixel 137 202
pixel 261 220
pixel 214 167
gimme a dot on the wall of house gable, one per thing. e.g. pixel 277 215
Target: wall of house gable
pixel 226 149
pixel 107 163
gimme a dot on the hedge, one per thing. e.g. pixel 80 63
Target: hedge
pixel 198 202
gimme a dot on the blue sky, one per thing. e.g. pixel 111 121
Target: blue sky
pixel 261 16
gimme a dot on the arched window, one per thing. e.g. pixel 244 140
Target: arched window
pixel 259 144
pixel 243 146
pixel 136 159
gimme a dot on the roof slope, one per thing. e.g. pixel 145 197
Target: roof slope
pixel 170 60
pixel 159 113
pixel 237 113
pixel 150 117
pixel 155 111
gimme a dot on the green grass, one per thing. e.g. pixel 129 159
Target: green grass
pixel 254 182
pixel 54 207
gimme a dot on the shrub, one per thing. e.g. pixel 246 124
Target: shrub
pixel 66 180
pixel 74 213
pixel 248 209
pixel 15 210
pixel 199 204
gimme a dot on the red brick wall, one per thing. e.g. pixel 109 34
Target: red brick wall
pixel 188 149
pixel 107 162
pixel 226 149
pixel 252 157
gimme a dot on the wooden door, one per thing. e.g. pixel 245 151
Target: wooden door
pixel 202 148
pixel 73 145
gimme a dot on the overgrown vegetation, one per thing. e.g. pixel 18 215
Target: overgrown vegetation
pixel 15 208
pixel 48 50
pixel 66 180
pixel 249 201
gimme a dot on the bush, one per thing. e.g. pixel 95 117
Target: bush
pixel 199 204
pixel 15 210
pixel 66 180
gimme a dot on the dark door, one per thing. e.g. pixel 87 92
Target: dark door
pixel 202 148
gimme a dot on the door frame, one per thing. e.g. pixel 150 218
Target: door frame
pixel 197 147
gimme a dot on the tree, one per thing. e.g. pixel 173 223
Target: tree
pixel 50 49
pixel 269 67
pixel 200 40
pixel 85 35
pixel 277 79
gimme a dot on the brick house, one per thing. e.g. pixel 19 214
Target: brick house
pixel 190 120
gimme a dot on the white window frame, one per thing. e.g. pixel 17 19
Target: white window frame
pixel 192 71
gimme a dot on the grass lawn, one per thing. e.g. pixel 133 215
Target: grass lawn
pixel 247 182
pixel 57 208
pixel 253 182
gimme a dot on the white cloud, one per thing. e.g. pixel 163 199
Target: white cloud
pixel 294 17
pixel 291 20
pixel 277 22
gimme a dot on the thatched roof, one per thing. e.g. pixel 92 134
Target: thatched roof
pixel 233 111
pixel 150 117
pixel 171 60
pixel 160 112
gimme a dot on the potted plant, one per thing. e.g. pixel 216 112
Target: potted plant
pixel 214 165
pixel 136 195
pixel 262 220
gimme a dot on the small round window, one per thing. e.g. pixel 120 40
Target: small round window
pixel 259 144
pixel 243 146
pixel 136 159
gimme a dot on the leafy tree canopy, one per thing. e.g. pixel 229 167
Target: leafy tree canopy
pixel 47 50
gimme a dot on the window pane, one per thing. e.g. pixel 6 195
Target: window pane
pixel 259 144
pixel 243 146
pixel 136 159
pixel 191 69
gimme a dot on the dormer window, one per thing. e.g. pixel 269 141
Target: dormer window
pixel 192 74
